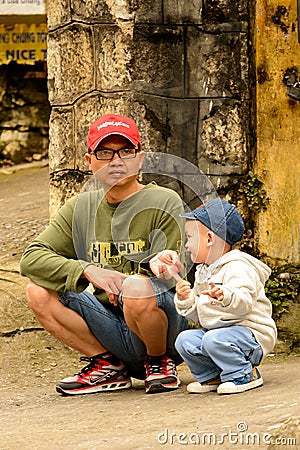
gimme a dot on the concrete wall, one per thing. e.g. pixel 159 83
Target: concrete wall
pixel 278 128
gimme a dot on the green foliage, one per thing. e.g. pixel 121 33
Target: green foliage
pixel 256 196
pixel 282 291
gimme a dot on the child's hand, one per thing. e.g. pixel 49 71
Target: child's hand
pixel 183 289
pixel 214 292
pixel 166 265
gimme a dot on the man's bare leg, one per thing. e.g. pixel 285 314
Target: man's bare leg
pixel 104 373
pixel 143 316
pixel 150 323
pixel 63 323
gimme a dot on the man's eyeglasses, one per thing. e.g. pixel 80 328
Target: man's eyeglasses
pixel 106 154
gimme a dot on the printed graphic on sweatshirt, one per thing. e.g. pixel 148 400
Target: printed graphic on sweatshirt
pixel 111 253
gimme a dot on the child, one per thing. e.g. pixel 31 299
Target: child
pixel 229 302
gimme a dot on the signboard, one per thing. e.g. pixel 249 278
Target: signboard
pixel 23 43
pixel 22 7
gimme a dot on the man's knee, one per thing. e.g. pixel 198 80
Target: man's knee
pixel 138 295
pixel 137 287
pixel 37 296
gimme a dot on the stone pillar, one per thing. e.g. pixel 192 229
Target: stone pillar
pixel 179 69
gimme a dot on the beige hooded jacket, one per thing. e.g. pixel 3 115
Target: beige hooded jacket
pixel 242 278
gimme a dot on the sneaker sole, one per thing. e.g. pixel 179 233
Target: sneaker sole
pixel 231 388
pixel 115 386
pixel 201 389
pixel 156 387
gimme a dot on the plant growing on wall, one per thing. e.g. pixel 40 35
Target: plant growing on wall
pixel 251 190
pixel 282 289
pixel 256 195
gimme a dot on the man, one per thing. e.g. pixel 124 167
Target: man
pixel 106 238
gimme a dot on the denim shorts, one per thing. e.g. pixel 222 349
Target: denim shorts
pixel 108 325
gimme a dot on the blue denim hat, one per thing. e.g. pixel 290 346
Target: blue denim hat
pixel 220 217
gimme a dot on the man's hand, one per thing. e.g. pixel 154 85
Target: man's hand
pixel 183 289
pixel 109 280
pixel 166 265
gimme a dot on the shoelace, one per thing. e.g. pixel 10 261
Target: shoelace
pixel 155 368
pixel 158 366
pixel 88 367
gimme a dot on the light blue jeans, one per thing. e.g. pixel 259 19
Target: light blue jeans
pixel 229 352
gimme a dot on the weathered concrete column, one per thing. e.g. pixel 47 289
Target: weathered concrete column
pixel 180 69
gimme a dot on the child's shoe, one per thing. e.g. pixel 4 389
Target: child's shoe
pixel 201 388
pixel 242 384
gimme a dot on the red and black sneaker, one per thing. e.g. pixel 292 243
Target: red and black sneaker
pixel 99 375
pixel 161 374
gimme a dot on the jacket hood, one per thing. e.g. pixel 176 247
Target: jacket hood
pixel 236 255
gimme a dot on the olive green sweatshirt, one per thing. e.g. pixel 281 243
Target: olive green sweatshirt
pixel 119 236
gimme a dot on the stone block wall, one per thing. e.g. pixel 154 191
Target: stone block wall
pixel 179 69
pixel 24 114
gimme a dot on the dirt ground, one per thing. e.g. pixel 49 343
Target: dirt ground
pixel 34 416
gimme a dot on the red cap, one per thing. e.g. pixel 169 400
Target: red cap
pixel 113 124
